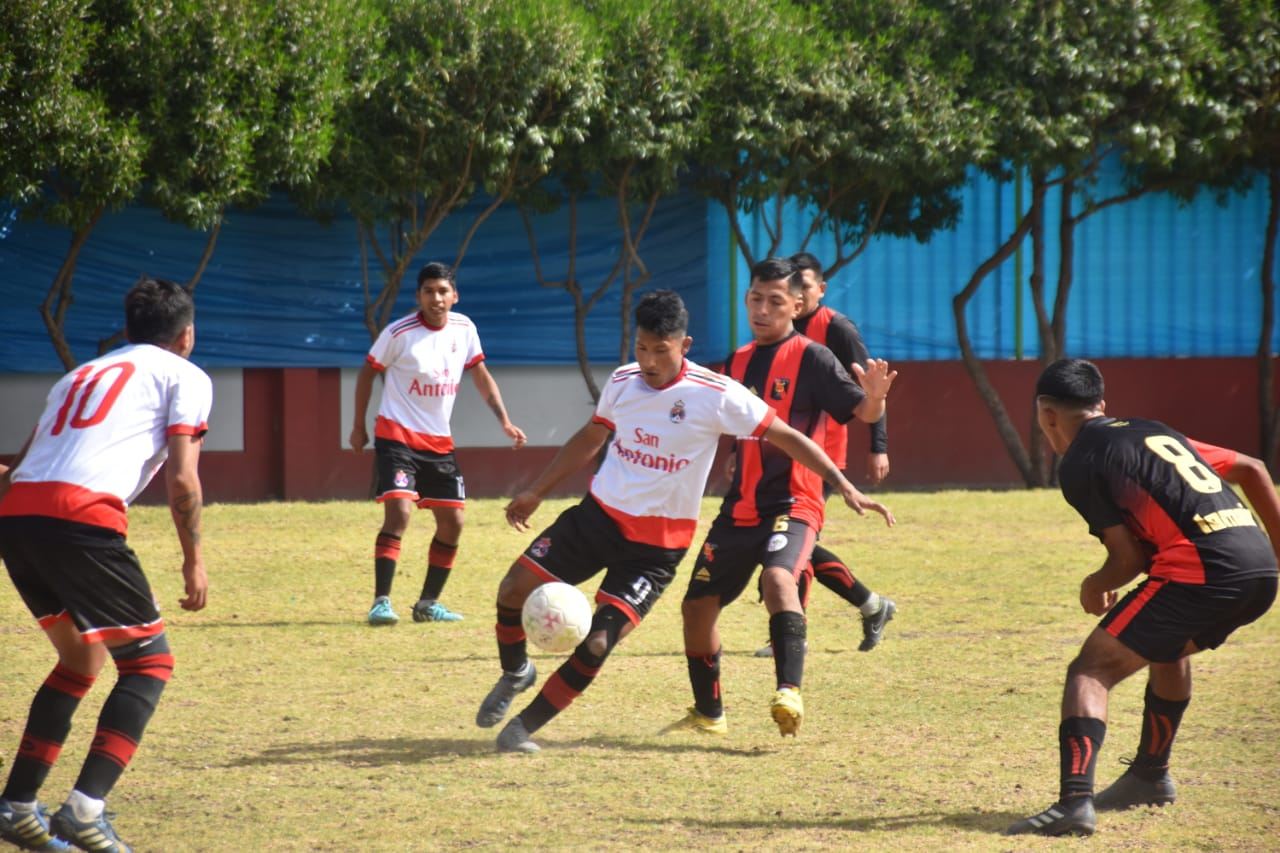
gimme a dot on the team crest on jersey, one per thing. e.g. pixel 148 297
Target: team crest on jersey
pixel 779 389
pixel 402 479
pixel 541 547
pixel 677 412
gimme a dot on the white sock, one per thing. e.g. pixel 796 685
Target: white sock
pixel 22 808
pixel 871 606
pixel 85 807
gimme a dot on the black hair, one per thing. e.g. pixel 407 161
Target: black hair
pixel 1072 381
pixel 806 261
pixel 662 312
pixel 437 271
pixel 156 311
pixel 777 269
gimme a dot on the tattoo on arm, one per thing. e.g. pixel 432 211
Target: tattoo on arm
pixel 186 512
pixel 495 406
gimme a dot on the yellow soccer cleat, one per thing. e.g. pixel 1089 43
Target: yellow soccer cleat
pixel 698 722
pixel 788 709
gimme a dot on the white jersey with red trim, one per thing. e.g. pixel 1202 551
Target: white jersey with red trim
pixel 664 442
pixel 423 367
pixel 104 434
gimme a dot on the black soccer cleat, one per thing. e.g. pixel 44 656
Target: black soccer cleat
pixel 873 625
pixel 1073 817
pixel 1131 790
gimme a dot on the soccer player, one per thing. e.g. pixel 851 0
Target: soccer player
pixel 422 357
pixel 666 415
pixel 838 333
pixel 773 510
pixel 1159 503
pixel 107 427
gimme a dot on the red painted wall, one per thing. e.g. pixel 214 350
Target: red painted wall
pixel 940 433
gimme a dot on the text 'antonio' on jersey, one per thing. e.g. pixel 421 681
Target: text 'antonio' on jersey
pixel 422 366
pixel 663 446
pixel 1167 489
pixel 104 433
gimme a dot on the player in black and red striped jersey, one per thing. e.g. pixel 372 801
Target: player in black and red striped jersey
pixel 774 508
pixel 1160 504
pixel 839 334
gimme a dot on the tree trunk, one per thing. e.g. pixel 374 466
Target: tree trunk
pixel 59 297
pixel 1268 418
pixel 1004 426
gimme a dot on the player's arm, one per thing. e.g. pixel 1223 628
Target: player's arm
pixel 186 503
pixel 849 347
pixel 488 388
pixel 576 452
pixel 802 449
pixel 6 473
pixel 1252 478
pixel 1126 559
pixel 364 391
pixel 876 379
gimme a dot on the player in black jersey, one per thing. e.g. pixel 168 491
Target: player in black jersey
pixel 774 508
pixel 1160 504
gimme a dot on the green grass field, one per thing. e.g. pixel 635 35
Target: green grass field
pixel 291 725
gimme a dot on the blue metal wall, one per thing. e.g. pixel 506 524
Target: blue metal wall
pixel 1152 279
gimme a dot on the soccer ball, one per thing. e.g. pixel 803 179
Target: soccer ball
pixel 556 617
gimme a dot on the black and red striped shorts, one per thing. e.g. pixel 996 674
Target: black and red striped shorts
pixel 729 555
pixel 1158 617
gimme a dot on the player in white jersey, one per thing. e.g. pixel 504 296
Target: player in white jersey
pixel 106 429
pixel 422 358
pixel 666 415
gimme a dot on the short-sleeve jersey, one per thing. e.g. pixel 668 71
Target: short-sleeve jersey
pixel 839 334
pixel 809 389
pixel 422 366
pixel 1167 490
pixel 104 433
pixel 664 442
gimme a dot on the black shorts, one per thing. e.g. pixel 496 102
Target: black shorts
pixel 1158 617
pixel 428 479
pixel 65 570
pixel 730 554
pixel 583 540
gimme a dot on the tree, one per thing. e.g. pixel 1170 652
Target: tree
pixel 641 130
pixel 450 98
pixel 69 154
pixel 1068 88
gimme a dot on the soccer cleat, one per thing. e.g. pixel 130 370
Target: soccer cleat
pixel 1132 790
pixel 514 737
pixel 1073 817
pixel 97 835
pixel 765 651
pixel 696 721
pixel 498 702
pixel 788 709
pixel 873 625
pixel 430 610
pixel 28 830
pixel 381 612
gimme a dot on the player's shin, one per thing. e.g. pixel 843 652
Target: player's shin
pixel 1160 721
pixel 704 678
pixel 386 552
pixel 1079 741
pixel 576 674
pixel 787 634
pixel 440 559
pixel 144 667
pixel 48 724
pixel 512 645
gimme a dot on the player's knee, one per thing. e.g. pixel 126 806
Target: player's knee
pixel 598 647
pixel 149 657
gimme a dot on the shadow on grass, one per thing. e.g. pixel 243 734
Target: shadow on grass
pixel 992 822
pixel 378 752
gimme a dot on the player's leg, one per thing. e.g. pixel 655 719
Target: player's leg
pixel 876 611
pixel 440 558
pixel 396 489
pixel 804 589
pixel 23 820
pixel 518 673
pixel 785 554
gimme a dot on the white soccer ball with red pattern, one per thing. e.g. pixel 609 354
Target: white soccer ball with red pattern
pixel 556 616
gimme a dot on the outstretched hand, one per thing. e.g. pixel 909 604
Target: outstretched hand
pixel 521 507
pixel 876 378
pixel 860 503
